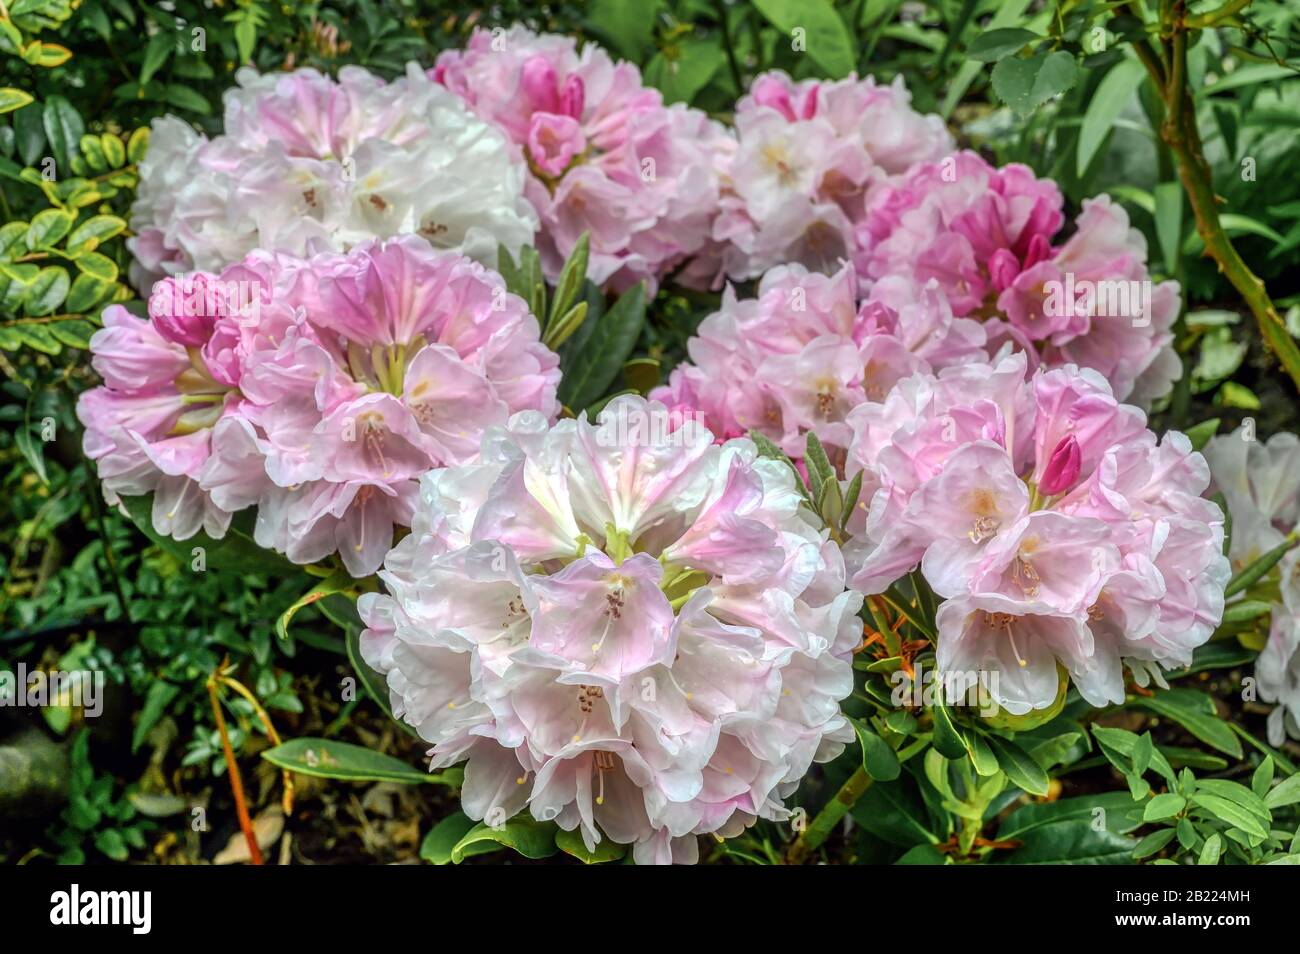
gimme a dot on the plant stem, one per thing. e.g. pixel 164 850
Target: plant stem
pixel 232 769
pixel 1180 133
pixel 812 837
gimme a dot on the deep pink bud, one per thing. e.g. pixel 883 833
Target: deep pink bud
pixel 538 80
pixel 1003 268
pixel 184 308
pixel 810 102
pixel 574 97
pixel 769 92
pixel 1062 468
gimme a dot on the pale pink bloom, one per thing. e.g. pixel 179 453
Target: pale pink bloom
pixel 605 154
pixel 631 631
pixel 802 354
pixel 1047 515
pixel 807 153
pixel 308 163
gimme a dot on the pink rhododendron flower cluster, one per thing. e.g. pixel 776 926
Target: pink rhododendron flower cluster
pixel 1054 524
pixel 308 163
pixel 630 630
pixel 985 234
pixel 605 155
pixel 1260 482
pixel 802 354
pixel 806 154
pixel 317 390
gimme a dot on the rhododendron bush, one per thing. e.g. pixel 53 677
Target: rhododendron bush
pixel 765 433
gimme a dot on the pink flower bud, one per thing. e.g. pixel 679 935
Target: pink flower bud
pixel 1062 468
pixel 538 80
pixel 574 97
pixel 771 92
pixel 184 308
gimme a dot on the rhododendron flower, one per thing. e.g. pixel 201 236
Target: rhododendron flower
pixel 985 235
pixel 801 355
pixel 1056 526
pixel 1277 670
pixel 320 399
pixel 630 630
pixel 1260 482
pixel 806 154
pixel 308 163
pixel 605 155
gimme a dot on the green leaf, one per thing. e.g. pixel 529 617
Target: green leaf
pixel 523 833
pixel 340 579
pixel 1201 433
pixel 993 45
pixel 563 329
pixel 48 228
pixel 1071 841
pixel 156 53
pixel 1169 221
pixel 326 758
pixel 97 266
pixel 185 97
pixel 605 350
pixel 1246 610
pixel 1287 793
pixel 1210 851
pixel 571 843
pixel 626 27
pixel 110 843
pixel 571 280
pixel 442 839
pixel 93 231
pixel 138 144
pixel 1250 575
pixel 245 38
pixel 1153 843
pixel 981 755
pixel 1024 84
pixel 114 151
pixel 946 740
pixel 156 700
pixel 1114 811
pixel 11 99
pixel 1113 93
pixel 86 292
pixel 63 129
pixel 1020 767
pixel 1163 806
pixel 47 291
pixel 1230 812
pixel 878 759
pixel 822 32
pixel 684 68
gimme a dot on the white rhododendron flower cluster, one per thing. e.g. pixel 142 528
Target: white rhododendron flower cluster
pixel 806 154
pixel 307 163
pixel 627 629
